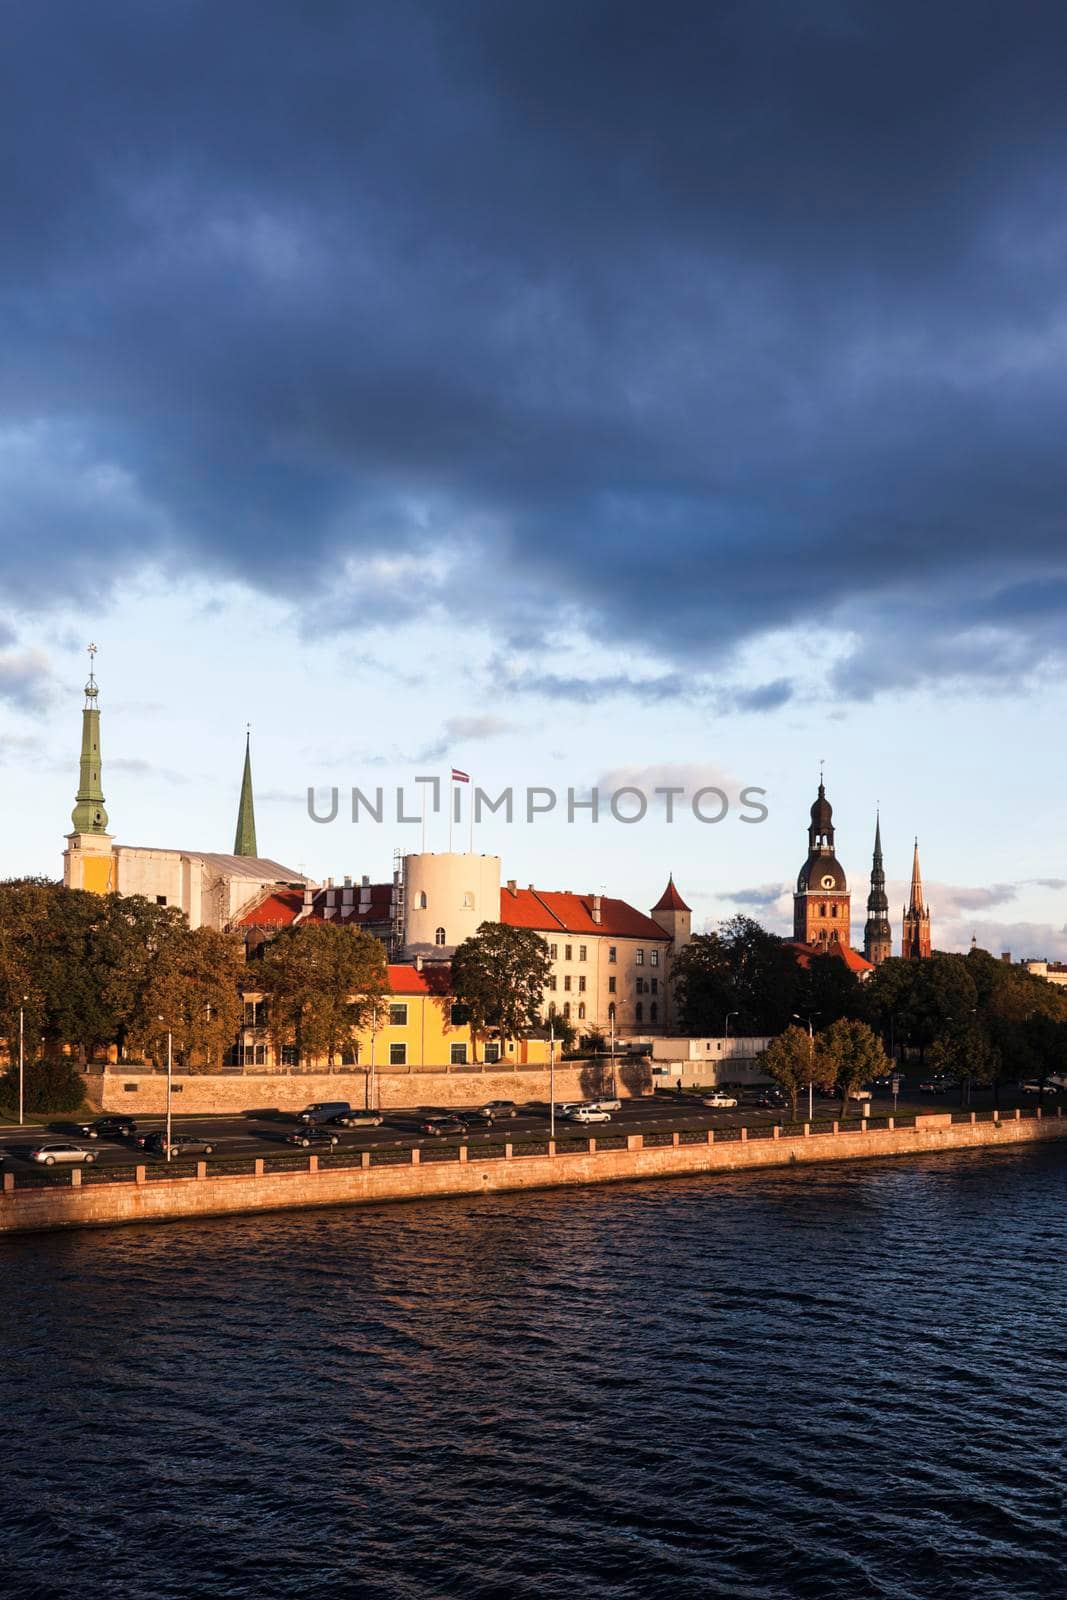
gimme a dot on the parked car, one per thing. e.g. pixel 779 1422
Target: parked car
pixel 940 1083
pixel 323 1111
pixel 49 1154
pixel 605 1104
pixel 719 1101
pixel 443 1126
pixel 769 1099
pixel 181 1144
pixel 357 1119
pixel 501 1108
pixel 108 1128
pixel 1031 1086
pixel 586 1114
pixel 313 1133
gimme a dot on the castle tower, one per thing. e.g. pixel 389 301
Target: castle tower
pixel 877 934
pixel 244 843
pixel 915 943
pixel 822 904
pixel 88 861
pixel 673 915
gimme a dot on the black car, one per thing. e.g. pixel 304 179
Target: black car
pixel 313 1134
pixel 323 1111
pixel 442 1126
pixel 108 1128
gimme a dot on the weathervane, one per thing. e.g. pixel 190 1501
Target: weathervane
pixel 90 687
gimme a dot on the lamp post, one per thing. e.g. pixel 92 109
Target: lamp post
pixel 811 1061
pixel 170 1080
pixel 22 1059
pixel 611 1019
pixel 552 1077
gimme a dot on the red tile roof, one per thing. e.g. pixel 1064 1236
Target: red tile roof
pixel 852 958
pixel 277 910
pixel 282 907
pixel 670 899
pixel 553 911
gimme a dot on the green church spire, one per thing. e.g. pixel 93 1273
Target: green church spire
pixel 244 843
pixel 89 815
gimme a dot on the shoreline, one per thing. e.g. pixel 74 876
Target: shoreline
pixel 144 1199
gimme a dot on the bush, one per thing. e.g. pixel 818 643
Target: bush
pixel 49 1087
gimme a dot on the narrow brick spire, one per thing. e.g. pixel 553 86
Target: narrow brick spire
pixel 244 843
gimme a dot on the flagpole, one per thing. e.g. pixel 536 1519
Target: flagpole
pixel 470 803
pixel 451 809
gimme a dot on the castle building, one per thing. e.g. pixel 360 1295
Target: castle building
pixel 915 943
pixel 877 933
pixel 208 887
pixel 822 903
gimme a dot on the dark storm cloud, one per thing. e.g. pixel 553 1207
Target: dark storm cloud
pixel 694 321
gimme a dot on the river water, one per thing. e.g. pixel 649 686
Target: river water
pixel 836 1382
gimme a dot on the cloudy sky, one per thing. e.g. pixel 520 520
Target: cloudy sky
pixel 576 393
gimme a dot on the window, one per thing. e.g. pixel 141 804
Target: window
pixel 639 957
pixel 290 1055
pixel 398 1014
pixel 261 1055
pixel 255 1013
pixel 612 954
pixel 459 1015
pixel 457 1055
pixel 421 901
pixel 439 936
pixel 653 1012
pixel 567 983
pixel 611 1012
pixel 551 1010
pixel 398 1055
pixel 468 902
pixel 611 985
pixel 492 1053
pixel 581 1013
pixel 553 951
pixel 581 984
pixel 833 911
pixel 567 1011
pixel 581 952
pixel 639 986
pixel 653 958
pixel 552 982
pixel 161 899
pixel 654 985
pixel 822 911
pixel 567 950
pixel 639 1012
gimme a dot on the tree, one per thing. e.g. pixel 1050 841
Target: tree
pixel 323 984
pixel 743 972
pixel 50 1086
pixel 790 1060
pixel 191 991
pixel 969 1054
pixel 500 975
pixel 848 1055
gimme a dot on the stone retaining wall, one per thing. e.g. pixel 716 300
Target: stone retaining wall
pixel 105 1204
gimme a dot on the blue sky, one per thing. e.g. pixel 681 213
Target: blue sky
pixel 573 393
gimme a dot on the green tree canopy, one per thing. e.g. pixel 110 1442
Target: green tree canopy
pixel 790 1060
pixel 848 1055
pixel 324 984
pixel 500 974
pixel 742 969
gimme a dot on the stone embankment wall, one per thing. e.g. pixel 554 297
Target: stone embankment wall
pixel 105 1204
pixel 209 1093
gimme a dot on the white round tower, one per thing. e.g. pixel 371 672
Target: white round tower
pixel 446 899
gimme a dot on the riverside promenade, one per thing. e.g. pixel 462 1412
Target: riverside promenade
pixel 161 1195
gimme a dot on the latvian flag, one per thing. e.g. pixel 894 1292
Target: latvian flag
pixel 460 777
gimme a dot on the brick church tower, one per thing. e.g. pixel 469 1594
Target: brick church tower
pixel 915 943
pixel 822 903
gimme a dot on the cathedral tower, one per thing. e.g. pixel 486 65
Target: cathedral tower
pixel 915 943
pixel 244 841
pixel 877 934
pixel 88 862
pixel 822 903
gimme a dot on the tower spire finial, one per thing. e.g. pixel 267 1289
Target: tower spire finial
pixel 244 843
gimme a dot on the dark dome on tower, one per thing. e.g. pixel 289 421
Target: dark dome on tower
pixel 822 872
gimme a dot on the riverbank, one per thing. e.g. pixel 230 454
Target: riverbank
pixel 156 1195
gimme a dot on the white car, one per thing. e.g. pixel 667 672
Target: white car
pixel 49 1154
pixel 719 1102
pixel 605 1105
pixel 586 1114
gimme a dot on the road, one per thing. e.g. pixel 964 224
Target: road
pixel 264 1133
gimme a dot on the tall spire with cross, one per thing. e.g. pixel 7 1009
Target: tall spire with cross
pixel 877 934
pixel 244 843
pixel 916 941
pixel 89 815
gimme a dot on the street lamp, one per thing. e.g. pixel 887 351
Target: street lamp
pixel 170 1068
pixel 552 1077
pixel 811 1061
pixel 22 1058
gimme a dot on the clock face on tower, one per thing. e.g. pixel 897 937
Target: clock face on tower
pixel 828 882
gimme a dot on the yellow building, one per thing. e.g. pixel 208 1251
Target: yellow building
pixel 419 1029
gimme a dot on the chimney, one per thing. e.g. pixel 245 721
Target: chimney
pixel 309 895
pixel 348 881
pixel 346 893
pixel 418 963
pixel 1005 956
pixel 513 887
pixel 596 908
pixel 365 881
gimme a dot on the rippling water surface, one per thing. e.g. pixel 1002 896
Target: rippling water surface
pixel 830 1383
